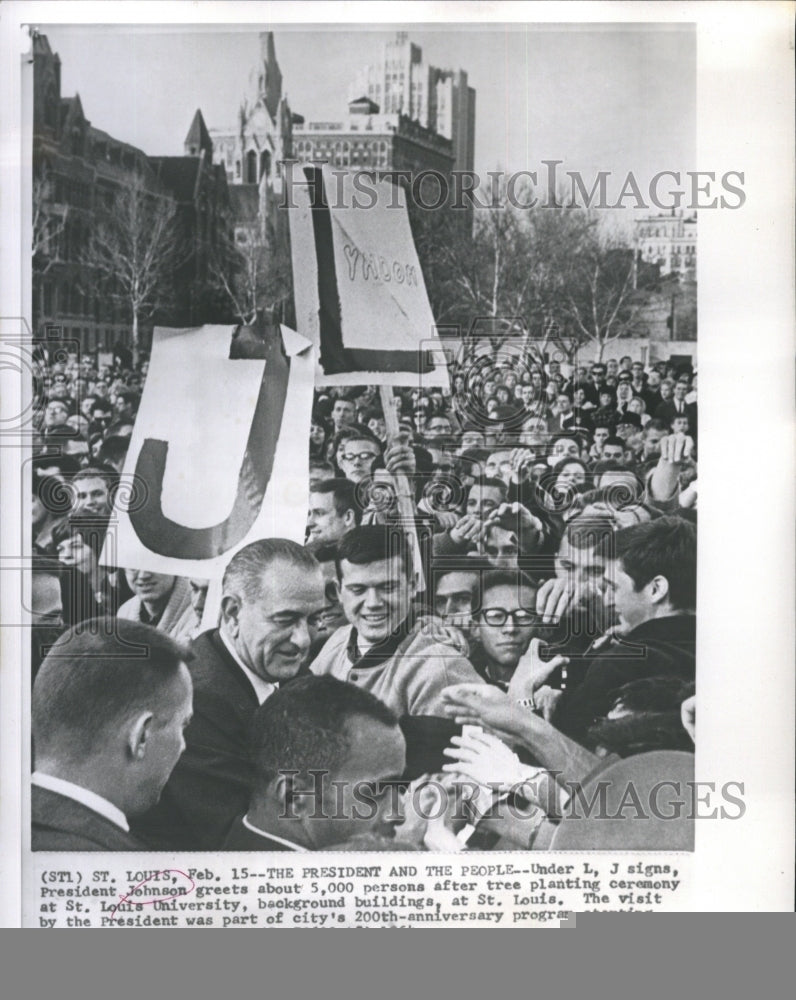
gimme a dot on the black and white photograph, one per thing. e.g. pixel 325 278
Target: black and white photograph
pixel 362 468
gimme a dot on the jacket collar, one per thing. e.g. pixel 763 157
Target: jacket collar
pixel 382 651
pixel 676 627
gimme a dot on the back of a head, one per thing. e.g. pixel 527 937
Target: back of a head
pixel 245 570
pixel 93 678
pixel 654 694
pixel 664 547
pixel 307 725
pixel 650 718
pixel 369 543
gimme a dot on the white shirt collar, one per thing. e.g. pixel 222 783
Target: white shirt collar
pixel 82 795
pixel 280 840
pixel 262 689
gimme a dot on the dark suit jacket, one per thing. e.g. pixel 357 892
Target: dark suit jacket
pixel 666 411
pixel 660 647
pixel 210 785
pixel 59 823
pixel 574 419
pixel 241 838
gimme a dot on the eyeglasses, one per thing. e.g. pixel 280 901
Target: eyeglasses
pixel 363 456
pixel 499 616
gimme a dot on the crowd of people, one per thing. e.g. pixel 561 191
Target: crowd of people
pixel 496 591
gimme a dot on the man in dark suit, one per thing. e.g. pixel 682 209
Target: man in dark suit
pixel 271 593
pixel 566 417
pixel 678 407
pixel 108 715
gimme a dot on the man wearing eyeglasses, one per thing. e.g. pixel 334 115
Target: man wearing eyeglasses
pixel 356 458
pixel 503 628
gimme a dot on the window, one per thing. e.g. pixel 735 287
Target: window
pixel 251 167
pixel 342 153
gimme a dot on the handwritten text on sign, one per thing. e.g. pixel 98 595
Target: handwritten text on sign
pixel 377 268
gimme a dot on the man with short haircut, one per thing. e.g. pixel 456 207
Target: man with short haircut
pixel 613 475
pixel 438 431
pixel 327 759
pixel 333 511
pixel 108 727
pixel 603 430
pixel 160 600
pixel 272 592
pixel 613 449
pixel 652 434
pixel 513 535
pixel 564 446
pixel 56 414
pixel 114 451
pixel 356 454
pixel 483 497
pixel 92 488
pixel 344 413
pixel 319 472
pixel 566 418
pixel 504 625
pixel 456 594
pixel 650 586
pixel 382 650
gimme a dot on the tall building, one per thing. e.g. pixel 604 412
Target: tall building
pixel 366 139
pixel 670 241
pixel 250 151
pixel 438 99
pixel 79 172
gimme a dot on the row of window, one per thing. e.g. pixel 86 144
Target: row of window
pixel 96 339
pixel 62 299
pixel 344 153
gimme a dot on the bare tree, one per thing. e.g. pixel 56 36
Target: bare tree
pixel 48 225
pixel 245 267
pixel 136 246
pixel 600 299
pixel 550 270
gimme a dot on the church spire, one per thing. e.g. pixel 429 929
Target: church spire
pixel 270 76
pixel 198 138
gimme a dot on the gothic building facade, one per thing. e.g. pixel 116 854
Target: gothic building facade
pixel 79 174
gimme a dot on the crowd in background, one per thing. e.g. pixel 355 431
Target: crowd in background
pixel 497 586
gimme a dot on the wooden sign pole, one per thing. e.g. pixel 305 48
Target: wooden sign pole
pixel 403 488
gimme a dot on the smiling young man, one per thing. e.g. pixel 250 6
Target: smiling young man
pixel 333 511
pixel 381 650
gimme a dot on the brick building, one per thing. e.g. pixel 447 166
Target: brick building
pixel 78 172
pixel 368 140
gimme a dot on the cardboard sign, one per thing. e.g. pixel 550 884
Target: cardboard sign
pixel 218 453
pixel 359 289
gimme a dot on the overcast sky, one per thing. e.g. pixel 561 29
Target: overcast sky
pixel 599 97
